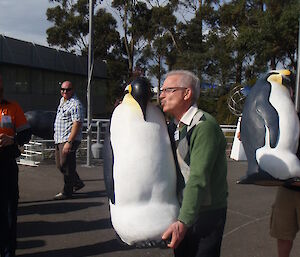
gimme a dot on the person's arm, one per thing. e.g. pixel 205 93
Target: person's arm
pixel 204 147
pixel 6 140
pixel 176 231
pixel 23 131
pixel 77 118
pixel 23 136
pixel 74 132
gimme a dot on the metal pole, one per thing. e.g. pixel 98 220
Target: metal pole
pixel 297 91
pixel 90 74
pixel 98 131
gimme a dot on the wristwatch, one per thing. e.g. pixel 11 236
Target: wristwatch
pixel 70 142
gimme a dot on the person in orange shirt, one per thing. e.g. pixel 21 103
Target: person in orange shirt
pixel 14 131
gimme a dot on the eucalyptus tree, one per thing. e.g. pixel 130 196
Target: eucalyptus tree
pixel 70 28
pixel 197 20
pixel 239 21
pixel 160 41
pixel 279 33
pixel 134 17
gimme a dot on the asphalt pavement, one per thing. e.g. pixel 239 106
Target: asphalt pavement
pixel 80 227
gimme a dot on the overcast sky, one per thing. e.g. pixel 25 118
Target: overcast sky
pixel 26 19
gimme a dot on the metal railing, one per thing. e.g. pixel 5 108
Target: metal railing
pixel 39 149
pixel 229 131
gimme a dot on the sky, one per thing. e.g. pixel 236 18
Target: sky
pixel 25 20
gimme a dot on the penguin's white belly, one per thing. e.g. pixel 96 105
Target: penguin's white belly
pixel 144 176
pixel 281 161
pixel 141 222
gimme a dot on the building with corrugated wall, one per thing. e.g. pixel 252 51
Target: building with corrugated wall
pixel 32 75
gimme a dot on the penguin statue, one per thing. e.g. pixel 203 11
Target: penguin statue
pixel 139 169
pixel 270 131
pixel 41 123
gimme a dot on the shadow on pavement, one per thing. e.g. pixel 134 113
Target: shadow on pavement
pixel 91 194
pixel 82 251
pixel 55 207
pixel 45 228
pixel 31 244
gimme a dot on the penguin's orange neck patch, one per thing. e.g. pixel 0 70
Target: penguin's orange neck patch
pixel 133 104
pixel 275 78
pixel 278 77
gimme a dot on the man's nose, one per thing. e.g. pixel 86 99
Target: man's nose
pixel 161 94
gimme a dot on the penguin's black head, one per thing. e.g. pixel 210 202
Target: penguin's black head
pixel 141 92
pixel 284 77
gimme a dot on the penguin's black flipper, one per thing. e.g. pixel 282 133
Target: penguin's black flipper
pixel 108 163
pixel 269 114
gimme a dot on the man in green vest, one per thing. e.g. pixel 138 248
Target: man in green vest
pixel 200 151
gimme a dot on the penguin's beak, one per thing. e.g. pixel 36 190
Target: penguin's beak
pixel 289 81
pixel 128 89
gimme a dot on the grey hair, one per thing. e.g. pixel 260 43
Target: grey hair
pixel 188 79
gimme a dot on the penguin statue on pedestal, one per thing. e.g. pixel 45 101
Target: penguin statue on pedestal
pixel 270 131
pixel 139 169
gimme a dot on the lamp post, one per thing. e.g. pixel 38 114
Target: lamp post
pixel 297 91
pixel 90 75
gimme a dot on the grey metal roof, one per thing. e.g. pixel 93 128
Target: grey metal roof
pixel 18 52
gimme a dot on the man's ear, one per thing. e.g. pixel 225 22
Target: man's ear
pixel 188 94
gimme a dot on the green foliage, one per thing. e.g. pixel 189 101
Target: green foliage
pixel 224 116
pixel 222 42
pixel 208 104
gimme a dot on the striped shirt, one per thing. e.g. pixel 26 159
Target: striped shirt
pixel 68 111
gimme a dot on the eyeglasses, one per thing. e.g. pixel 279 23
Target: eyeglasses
pixel 65 89
pixel 171 89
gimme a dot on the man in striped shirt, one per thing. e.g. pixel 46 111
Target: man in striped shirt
pixel 67 137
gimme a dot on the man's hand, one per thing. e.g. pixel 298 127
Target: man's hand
pixel 239 136
pixel 67 148
pixel 177 232
pixel 6 140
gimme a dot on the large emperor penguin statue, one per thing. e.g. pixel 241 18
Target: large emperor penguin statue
pixel 270 131
pixel 139 169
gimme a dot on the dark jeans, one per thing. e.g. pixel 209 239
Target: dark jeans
pixel 66 163
pixel 9 195
pixel 204 238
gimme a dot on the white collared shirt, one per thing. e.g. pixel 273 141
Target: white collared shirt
pixel 188 116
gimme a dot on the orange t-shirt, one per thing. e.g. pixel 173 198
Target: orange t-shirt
pixel 12 118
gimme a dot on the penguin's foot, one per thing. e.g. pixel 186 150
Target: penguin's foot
pixel 260 178
pixel 151 244
pixel 292 182
pixel 122 243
